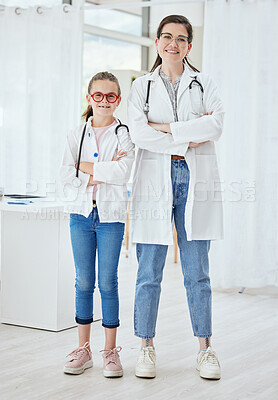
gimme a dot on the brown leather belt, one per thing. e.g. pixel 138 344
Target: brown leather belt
pixel 177 157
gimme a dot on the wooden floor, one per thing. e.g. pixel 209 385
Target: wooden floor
pixel 245 339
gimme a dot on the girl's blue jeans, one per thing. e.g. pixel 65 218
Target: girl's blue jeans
pixel 194 263
pixel 88 235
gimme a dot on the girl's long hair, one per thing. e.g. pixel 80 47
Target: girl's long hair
pixel 176 19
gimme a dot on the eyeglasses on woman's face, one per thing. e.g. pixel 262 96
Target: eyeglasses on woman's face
pixel 167 38
pixel 110 97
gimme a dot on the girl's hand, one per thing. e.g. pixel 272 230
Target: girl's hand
pixel 119 155
pixel 193 144
pixel 86 167
pixel 92 182
pixel 160 127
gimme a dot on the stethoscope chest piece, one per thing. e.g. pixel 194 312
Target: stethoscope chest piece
pixel 76 182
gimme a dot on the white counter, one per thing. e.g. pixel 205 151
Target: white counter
pixel 35 206
pixel 37 268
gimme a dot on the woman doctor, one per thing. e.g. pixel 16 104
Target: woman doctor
pixel 176 179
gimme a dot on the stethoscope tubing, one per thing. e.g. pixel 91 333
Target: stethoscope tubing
pixel 120 125
pixel 80 148
pixel 146 107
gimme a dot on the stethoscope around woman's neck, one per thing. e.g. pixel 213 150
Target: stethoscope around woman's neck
pixel 76 182
pixel 146 107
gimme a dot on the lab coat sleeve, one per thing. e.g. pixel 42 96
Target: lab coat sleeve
pixel 207 127
pixel 114 172
pixel 68 170
pixel 144 136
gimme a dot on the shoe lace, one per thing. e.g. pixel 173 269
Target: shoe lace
pixel 111 355
pixel 148 355
pixel 76 353
pixel 210 357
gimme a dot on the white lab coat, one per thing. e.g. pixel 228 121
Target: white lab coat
pixel 151 209
pixel 111 196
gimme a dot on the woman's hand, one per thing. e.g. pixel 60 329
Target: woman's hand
pixel 160 127
pixel 193 144
pixel 86 167
pixel 119 155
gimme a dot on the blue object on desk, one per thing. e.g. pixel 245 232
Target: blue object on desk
pixel 23 196
pixel 20 202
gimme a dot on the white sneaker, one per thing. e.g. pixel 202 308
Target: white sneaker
pixel 208 364
pixel 145 367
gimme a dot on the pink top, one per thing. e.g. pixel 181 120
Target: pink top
pixel 99 132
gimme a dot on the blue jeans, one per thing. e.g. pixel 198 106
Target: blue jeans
pixel 87 235
pixel 194 263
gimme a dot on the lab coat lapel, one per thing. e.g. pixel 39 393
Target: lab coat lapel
pixel 186 79
pixel 90 141
pixel 159 87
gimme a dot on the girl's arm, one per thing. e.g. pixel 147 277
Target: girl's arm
pixel 111 172
pixel 116 172
pixel 93 182
pixel 88 168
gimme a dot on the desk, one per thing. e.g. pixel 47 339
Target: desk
pixel 37 268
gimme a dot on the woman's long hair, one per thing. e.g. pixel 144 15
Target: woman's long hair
pixel 176 19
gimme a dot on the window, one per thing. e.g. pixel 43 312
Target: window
pixel 104 54
pixel 114 20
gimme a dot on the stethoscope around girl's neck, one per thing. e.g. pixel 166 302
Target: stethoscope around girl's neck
pixel 76 182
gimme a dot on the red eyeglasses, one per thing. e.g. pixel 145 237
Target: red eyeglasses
pixel 110 97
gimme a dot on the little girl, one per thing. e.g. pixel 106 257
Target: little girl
pixel 97 209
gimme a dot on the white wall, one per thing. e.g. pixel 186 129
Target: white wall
pixel 125 78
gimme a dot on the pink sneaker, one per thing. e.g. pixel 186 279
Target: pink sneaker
pixel 81 359
pixel 112 367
